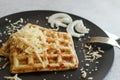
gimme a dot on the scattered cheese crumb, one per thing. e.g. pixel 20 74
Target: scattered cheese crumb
pixel 86 69
pixel 3 67
pixel 96 69
pixel 46 17
pixel 6 19
pixel 44 79
pixel 37 21
pixel 99 49
pixel 90 78
pixel 71 75
pixel 90 72
pixel 67 77
pixel 96 62
pixel 81 69
pixel 0 41
pixel 64 75
pixel 13 78
pixel 84 74
pixel 92 55
pixel 88 46
pixel 9 21
pixel 55 72
pixel 80 39
pixel 87 64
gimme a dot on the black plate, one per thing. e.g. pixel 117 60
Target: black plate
pixel 104 63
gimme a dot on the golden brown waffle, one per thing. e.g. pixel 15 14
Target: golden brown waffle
pixel 5 49
pixel 34 48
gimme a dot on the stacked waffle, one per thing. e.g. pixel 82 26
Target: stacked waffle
pixel 34 48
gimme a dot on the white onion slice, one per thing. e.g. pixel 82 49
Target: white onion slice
pixel 70 29
pixel 59 19
pixel 79 27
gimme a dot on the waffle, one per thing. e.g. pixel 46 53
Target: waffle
pixel 34 48
pixel 4 50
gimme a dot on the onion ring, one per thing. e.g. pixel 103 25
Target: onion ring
pixel 79 26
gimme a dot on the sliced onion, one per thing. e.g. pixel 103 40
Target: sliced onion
pixel 59 19
pixel 70 29
pixel 79 27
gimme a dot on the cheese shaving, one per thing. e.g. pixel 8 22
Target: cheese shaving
pixel 12 77
pixel 92 55
pixel 84 74
pixel 3 67
pixel 28 42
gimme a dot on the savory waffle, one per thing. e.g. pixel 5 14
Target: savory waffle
pixel 4 50
pixel 34 48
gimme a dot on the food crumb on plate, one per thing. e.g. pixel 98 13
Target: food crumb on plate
pixel 84 74
pixel 71 75
pixel 0 41
pixel 90 78
pixel 87 64
pixel 44 79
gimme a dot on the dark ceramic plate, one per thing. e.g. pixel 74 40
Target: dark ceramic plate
pixel 103 66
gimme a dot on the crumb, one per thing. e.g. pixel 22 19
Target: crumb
pixel 44 79
pixel 0 34
pixel 90 78
pixel 89 72
pixel 84 74
pixel 0 41
pixel 21 20
pixel 67 77
pixel 96 69
pixel 9 21
pixel 87 64
pixel 64 75
pixel 55 72
pixel 100 50
pixel 92 69
pixel 86 69
pixel 81 69
pixel 71 75
pixel 37 21
pixel 3 67
pixel 79 39
pixel 46 17
pixel 96 62
pixel 6 19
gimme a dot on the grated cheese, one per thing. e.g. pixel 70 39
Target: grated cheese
pixel 90 78
pixel 84 74
pixel 30 42
pixel 3 67
pixel 12 77
pixel 0 41
pixel 92 55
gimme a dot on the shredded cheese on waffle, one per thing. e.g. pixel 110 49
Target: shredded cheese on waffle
pixel 29 42
pixel 34 48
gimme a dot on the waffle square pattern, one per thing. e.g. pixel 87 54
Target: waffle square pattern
pixel 34 48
